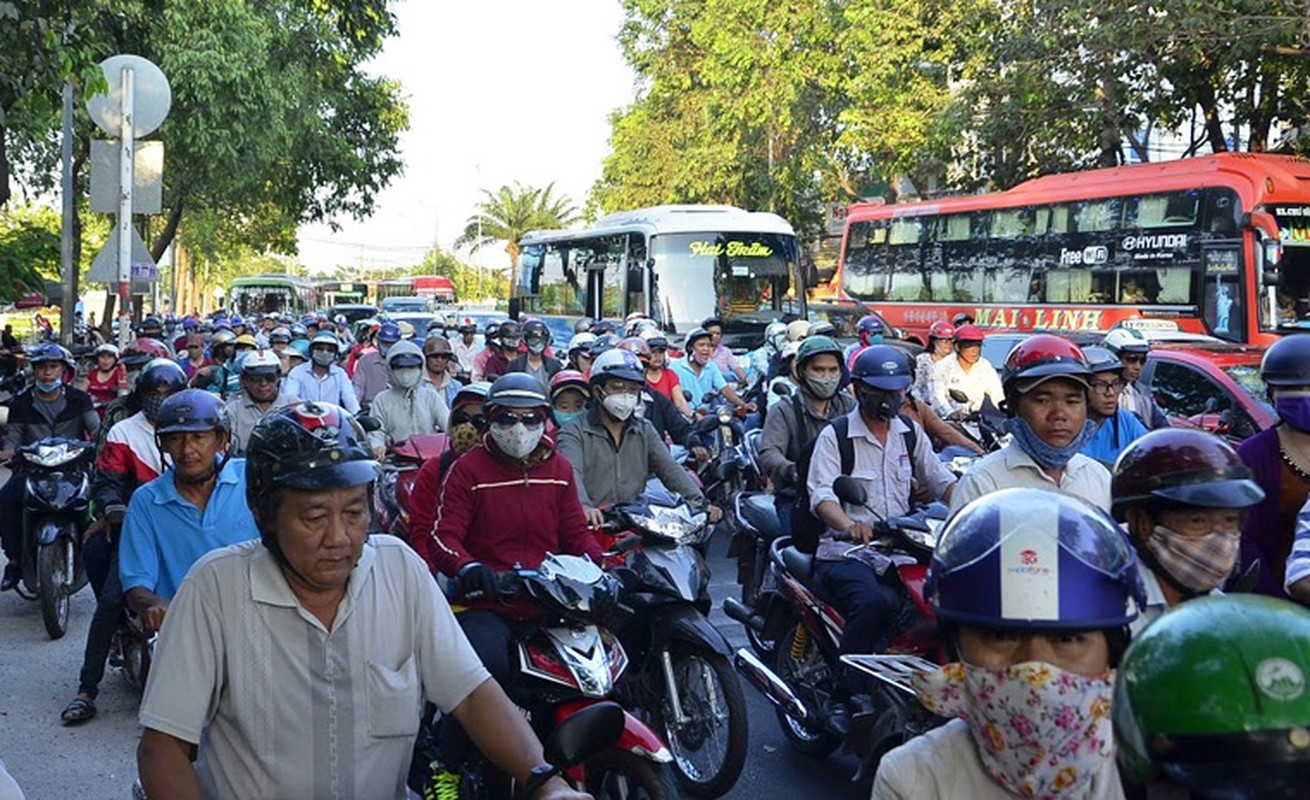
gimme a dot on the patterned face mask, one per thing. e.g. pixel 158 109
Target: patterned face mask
pixel 1040 732
pixel 1201 563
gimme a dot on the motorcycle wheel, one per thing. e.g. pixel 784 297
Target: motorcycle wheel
pixel 709 751
pixel 620 775
pixel 53 565
pixel 817 743
pixel 136 661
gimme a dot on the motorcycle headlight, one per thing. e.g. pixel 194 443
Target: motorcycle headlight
pixel 725 415
pixel 52 455
pixel 926 538
pixel 677 524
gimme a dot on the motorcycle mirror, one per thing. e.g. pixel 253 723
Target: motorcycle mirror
pixel 585 734
pixel 708 398
pixel 958 396
pixel 849 491
pixel 369 424
pixel 909 524
pixel 686 395
pixel 780 389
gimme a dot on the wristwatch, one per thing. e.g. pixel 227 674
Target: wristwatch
pixel 537 778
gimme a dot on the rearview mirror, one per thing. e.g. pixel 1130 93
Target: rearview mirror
pixel 583 735
pixel 369 424
pixel 849 490
pixel 958 396
pixel 781 390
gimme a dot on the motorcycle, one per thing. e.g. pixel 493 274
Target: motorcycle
pixel 56 498
pixel 733 466
pixel 396 482
pixel 682 675
pixel 568 664
pixel 755 528
pixel 132 650
pixel 807 630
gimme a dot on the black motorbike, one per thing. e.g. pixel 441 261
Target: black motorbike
pixel 56 497
pixel 755 528
pixel 682 675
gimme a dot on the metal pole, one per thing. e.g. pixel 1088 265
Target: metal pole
pixel 125 177
pixel 67 269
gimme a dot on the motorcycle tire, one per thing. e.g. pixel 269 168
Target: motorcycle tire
pixel 53 580
pixel 722 776
pixel 816 743
pixel 620 775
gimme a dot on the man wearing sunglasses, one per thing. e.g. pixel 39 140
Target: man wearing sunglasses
pixel 505 504
pixel 1132 346
pixel 261 384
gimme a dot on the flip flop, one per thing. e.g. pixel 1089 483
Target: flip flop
pixel 78 711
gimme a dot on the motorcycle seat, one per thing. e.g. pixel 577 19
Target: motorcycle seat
pixel 801 565
pixel 760 514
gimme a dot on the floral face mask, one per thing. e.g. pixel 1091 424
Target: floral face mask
pixel 1040 732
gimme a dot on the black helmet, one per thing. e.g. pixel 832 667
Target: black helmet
pixel 603 327
pixel 584 325
pixel 161 373
pixel 516 390
pixel 1102 359
pixel 1287 362
pixel 603 342
pixel 150 323
pixel 695 336
pixel 192 410
pixel 536 329
pixel 308 446
pixel 884 367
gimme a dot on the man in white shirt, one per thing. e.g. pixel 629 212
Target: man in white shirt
pixel 1046 385
pixel 465 348
pixel 967 372
pixel 298 665
pixel 321 380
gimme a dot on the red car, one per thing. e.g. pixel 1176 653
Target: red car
pixel 1211 385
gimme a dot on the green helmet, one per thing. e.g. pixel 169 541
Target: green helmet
pixel 817 345
pixel 1213 697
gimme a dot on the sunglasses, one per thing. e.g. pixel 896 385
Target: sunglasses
pixel 508 420
pixel 1133 359
pixel 459 418
pixel 261 378
pixel 439 355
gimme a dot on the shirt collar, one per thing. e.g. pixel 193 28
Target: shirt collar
pixel 1154 594
pixel 1016 457
pixel 858 429
pixel 168 488
pixel 269 586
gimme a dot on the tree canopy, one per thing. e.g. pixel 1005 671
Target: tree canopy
pixel 782 106
pixel 274 121
pixel 510 212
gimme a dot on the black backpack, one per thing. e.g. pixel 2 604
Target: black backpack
pixel 806 527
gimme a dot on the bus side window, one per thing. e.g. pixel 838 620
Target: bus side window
pixel 636 274
pixel 906 247
pixel 866 259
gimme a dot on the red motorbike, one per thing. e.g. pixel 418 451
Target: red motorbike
pixel 399 469
pixel 807 630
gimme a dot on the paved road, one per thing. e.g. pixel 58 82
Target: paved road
pixel 94 761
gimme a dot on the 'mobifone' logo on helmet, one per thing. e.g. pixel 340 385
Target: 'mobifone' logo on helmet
pixel 1280 679
pixel 1028 558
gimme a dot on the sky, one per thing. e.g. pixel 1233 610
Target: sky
pixel 498 91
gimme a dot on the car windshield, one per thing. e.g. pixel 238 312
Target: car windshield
pixel 1248 377
pixel 743 278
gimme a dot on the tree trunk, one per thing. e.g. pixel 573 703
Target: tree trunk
pixel 166 235
pixel 107 319
pixel 1214 130
pixel 4 162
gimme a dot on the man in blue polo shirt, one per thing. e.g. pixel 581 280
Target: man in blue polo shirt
pixel 197 505
pixel 699 375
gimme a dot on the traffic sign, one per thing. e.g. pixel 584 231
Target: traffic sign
pixel 105 266
pixel 147 177
pixel 151 97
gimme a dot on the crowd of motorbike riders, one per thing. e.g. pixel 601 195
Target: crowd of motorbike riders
pixel 233 493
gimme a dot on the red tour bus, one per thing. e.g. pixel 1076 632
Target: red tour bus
pixel 438 287
pixel 1216 245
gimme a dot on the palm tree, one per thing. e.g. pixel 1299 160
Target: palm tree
pixel 513 211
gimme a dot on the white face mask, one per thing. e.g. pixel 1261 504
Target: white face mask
pixel 406 377
pixel 620 405
pixel 518 440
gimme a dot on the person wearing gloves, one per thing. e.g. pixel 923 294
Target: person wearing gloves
pixel 410 407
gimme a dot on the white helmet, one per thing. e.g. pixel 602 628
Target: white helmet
pixel 775 335
pixel 790 349
pixel 798 330
pixel 1126 340
pixel 581 341
pixel 111 349
pixel 259 360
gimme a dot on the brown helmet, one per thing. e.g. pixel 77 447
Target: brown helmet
pixel 436 344
pixel 1181 465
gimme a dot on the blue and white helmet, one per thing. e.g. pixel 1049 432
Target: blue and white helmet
pixel 1031 558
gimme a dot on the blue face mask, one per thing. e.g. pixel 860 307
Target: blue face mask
pixel 563 418
pixel 1294 409
pixel 1045 454
pixel 42 386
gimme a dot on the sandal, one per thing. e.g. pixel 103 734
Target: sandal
pixel 78 711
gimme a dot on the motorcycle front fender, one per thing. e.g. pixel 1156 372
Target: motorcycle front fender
pixel 637 738
pixel 48 531
pixel 687 625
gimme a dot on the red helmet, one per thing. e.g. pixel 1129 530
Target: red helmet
pixel 142 351
pixel 941 329
pixel 636 345
pixel 968 333
pixel 569 379
pixel 1043 356
pixel 1184 466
